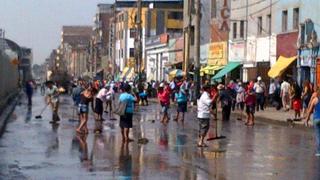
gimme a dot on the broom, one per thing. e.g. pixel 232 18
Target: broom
pixel 40 115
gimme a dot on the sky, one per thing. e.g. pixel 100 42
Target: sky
pixel 37 23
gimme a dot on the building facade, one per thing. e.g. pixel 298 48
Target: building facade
pixel 157 18
pixel 74 50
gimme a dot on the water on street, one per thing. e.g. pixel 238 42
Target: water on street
pixel 34 149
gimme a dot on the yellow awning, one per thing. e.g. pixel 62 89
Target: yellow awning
pixel 124 72
pixel 210 70
pixel 280 66
pixel 130 74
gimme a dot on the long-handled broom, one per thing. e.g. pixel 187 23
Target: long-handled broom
pixel 40 115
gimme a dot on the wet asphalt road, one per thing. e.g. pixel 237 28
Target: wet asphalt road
pixel 34 149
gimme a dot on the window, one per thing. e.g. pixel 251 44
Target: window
pixel 295 18
pixel 131 52
pixel 260 25
pixel 121 34
pixel 121 53
pixel 234 30
pixel 284 21
pixel 241 29
pixel 213 8
pixel 175 15
pixel 132 33
pixel 269 23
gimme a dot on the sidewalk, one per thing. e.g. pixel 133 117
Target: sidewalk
pixel 279 117
pixel 269 115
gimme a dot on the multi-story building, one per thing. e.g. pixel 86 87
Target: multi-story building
pixel 100 39
pixel 75 46
pixel 298 21
pixel 157 18
pixel 252 40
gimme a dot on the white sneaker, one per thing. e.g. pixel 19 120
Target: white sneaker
pixel 318 154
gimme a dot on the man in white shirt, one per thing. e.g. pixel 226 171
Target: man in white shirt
pixel 285 97
pixel 204 104
pixel 260 90
pixel 272 90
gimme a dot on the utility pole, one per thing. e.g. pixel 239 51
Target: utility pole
pixel 187 32
pixel 246 39
pixel 138 40
pixel 197 47
pixel 114 29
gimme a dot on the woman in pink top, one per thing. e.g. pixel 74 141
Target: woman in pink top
pixel 164 99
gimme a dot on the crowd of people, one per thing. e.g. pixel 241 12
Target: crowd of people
pixel 246 98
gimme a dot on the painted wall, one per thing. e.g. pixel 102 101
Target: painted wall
pixel 307 8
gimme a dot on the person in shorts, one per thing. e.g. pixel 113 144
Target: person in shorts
pixel 182 100
pixel 126 119
pixel 164 99
pixel 85 98
pixel 203 115
pixel 250 101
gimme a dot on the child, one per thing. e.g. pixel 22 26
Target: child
pixel 250 107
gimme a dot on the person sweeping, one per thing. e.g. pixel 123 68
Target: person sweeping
pixel 52 99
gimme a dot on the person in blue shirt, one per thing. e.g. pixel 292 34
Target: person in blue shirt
pixel 182 100
pixel 126 119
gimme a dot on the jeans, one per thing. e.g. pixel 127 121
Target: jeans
pixel 316 124
pixel 260 101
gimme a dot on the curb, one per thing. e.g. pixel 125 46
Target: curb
pixel 298 125
pixel 7 111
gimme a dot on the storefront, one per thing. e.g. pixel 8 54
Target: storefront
pixel 236 54
pixel 157 57
pixel 307 64
pixel 287 48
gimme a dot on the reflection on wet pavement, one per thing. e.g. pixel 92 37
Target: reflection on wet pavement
pixel 34 149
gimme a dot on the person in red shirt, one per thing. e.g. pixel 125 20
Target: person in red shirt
pixel 214 94
pixel 250 102
pixel 164 99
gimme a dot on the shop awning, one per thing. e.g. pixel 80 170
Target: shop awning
pixel 126 71
pixel 130 75
pixel 228 68
pixel 176 73
pixel 280 66
pixel 210 69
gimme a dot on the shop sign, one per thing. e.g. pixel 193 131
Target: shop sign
pixel 157 40
pixel 225 15
pixel 217 54
pixel 236 51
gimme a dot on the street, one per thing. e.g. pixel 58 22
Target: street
pixel 34 149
